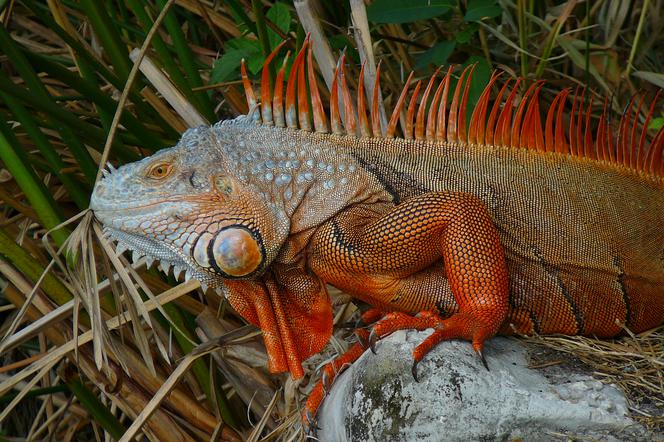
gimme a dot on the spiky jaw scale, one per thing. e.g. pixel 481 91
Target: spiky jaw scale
pixel 169 257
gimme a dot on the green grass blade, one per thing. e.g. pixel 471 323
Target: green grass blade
pixel 108 36
pixel 163 52
pixel 89 88
pixel 142 108
pixel 100 413
pixel 637 37
pixel 36 392
pixel 261 28
pixel 78 193
pixel 39 197
pixel 94 134
pixel 199 369
pixel 28 265
pixel 188 62
pixel 28 75
pixel 242 15
pixel 523 36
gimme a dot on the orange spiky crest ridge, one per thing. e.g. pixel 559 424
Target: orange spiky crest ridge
pixel 515 122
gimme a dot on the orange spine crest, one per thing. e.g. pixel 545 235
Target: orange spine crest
pixel 320 120
pixel 441 131
pixel 408 130
pixel 266 93
pixel 589 151
pixel 277 100
pixel 291 110
pixel 365 128
pixel 491 123
pixel 419 120
pixel 464 104
pixel 641 155
pixel 349 112
pixel 375 110
pixel 392 125
pixel 508 125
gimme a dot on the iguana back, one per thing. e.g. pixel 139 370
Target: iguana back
pixel 584 239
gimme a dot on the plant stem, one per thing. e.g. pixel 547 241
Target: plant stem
pixel 637 37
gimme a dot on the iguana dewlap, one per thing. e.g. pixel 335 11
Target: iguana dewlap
pixel 516 222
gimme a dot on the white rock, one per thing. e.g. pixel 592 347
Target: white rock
pixel 457 399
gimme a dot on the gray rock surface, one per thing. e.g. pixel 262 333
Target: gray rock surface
pixel 377 399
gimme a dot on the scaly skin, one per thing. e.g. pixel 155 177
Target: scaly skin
pixel 481 238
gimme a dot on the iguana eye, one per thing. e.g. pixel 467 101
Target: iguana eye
pixel 160 171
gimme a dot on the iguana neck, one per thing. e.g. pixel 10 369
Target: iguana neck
pixel 307 177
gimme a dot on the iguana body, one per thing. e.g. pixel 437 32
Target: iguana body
pixel 505 226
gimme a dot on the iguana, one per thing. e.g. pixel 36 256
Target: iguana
pixel 510 224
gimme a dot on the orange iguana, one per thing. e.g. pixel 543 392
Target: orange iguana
pixel 512 223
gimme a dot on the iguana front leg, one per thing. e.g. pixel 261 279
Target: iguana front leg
pixel 437 253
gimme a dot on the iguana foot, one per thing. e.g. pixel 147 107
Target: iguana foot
pixel 330 372
pixel 458 326
pixel 394 321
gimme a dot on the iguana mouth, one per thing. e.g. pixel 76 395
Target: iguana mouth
pixel 142 246
pixel 99 206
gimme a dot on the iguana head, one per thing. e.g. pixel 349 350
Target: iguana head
pixel 188 207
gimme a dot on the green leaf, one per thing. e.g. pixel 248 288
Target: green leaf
pixel 229 63
pixel 480 9
pixel 579 60
pixel 279 14
pixel 40 199
pixel 436 55
pixel 101 414
pixel 656 123
pixel 465 35
pixel 399 11
pixel 342 43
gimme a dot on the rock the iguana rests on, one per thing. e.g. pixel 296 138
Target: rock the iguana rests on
pixel 514 223
pixel 377 399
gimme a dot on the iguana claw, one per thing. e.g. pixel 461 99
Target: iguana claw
pixel 480 353
pixel 372 341
pixel 326 383
pixel 309 425
pixel 413 370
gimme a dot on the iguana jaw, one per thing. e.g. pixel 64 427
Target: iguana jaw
pixel 157 230
pixel 128 226
pixel 168 256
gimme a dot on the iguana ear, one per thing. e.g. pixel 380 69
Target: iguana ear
pixel 294 312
